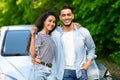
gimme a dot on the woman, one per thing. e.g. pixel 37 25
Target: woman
pixel 41 45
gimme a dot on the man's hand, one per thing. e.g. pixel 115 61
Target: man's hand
pixel 87 64
pixel 36 60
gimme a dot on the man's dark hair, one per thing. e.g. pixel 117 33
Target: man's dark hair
pixel 66 7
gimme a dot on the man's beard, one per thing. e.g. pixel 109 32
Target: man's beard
pixel 67 25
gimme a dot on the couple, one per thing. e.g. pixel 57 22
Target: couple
pixel 64 52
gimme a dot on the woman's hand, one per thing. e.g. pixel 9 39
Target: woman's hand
pixel 33 30
pixel 77 24
pixel 36 60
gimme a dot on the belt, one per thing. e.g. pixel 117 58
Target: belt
pixel 46 64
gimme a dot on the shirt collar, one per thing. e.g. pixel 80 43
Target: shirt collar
pixel 74 28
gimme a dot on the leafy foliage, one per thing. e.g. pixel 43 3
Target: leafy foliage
pixel 103 20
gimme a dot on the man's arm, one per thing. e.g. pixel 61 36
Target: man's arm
pixel 90 50
pixel 87 64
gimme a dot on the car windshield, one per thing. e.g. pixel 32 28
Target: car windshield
pixel 15 43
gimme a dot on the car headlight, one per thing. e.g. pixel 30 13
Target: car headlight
pixel 107 74
pixel 6 77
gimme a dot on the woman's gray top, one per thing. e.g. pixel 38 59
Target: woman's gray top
pixel 44 47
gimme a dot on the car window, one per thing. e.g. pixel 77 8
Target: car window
pixel 15 43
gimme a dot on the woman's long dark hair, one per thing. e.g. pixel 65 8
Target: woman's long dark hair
pixel 40 25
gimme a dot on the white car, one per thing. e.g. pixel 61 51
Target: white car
pixel 15 62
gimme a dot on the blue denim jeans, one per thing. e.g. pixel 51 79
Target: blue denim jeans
pixel 41 72
pixel 71 75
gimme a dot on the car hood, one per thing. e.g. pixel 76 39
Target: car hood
pixel 20 67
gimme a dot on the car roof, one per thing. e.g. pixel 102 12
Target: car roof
pixel 16 27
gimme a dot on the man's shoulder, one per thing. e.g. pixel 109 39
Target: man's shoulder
pixel 83 29
pixel 57 30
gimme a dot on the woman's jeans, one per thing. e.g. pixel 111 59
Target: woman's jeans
pixel 41 72
pixel 71 75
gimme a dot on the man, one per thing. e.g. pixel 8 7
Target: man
pixel 75 48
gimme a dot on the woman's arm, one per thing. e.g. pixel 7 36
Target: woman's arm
pixel 32 43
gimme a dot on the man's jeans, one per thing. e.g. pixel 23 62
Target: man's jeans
pixel 71 75
pixel 41 72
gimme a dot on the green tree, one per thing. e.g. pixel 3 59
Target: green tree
pixel 103 20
